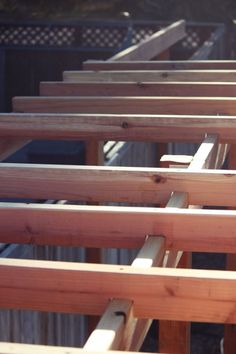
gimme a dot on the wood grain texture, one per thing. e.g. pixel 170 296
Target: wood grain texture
pixel 153 45
pixel 116 184
pixel 117 328
pixel 117 227
pixel 163 128
pixel 19 348
pixel 179 294
pixel 150 75
pixel 188 89
pixel 161 65
pixel 127 105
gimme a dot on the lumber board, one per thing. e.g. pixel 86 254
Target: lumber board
pixel 178 333
pixel 163 128
pixel 117 326
pixel 127 105
pixel 116 184
pixel 153 45
pixel 150 75
pixel 114 324
pixel 188 89
pixel 19 348
pixel 159 293
pixel 160 65
pixel 117 227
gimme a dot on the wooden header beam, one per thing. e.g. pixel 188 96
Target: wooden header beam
pixel 117 227
pixel 19 348
pixel 116 184
pixel 150 76
pixel 161 65
pixel 162 128
pixel 161 293
pixel 153 45
pixel 127 105
pixel 188 89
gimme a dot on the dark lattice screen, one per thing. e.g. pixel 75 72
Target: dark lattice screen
pixel 91 35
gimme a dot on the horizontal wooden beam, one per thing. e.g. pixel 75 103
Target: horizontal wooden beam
pixel 150 75
pixel 158 293
pixel 117 227
pixel 153 45
pixel 127 105
pixel 160 65
pixel 212 89
pixel 19 348
pixel 116 184
pixel 162 128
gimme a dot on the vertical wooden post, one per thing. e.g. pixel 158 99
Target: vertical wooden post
pixel 94 156
pixel 230 330
pixel 174 336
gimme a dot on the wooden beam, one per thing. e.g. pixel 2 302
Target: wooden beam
pixel 160 293
pixel 125 227
pixel 163 128
pixel 116 184
pixel 113 325
pixel 127 105
pixel 153 45
pixel 117 329
pixel 161 65
pixel 150 75
pixel 19 348
pixel 188 89
pixel 175 161
pixel 174 336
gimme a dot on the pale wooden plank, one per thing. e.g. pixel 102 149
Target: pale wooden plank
pixel 178 294
pixel 153 45
pixel 205 156
pixel 188 89
pixel 163 128
pixel 150 75
pixel 175 160
pixel 117 329
pixel 116 184
pixel 160 65
pixel 92 226
pixel 111 328
pixel 19 348
pixel 175 336
pixel 127 105
pixel 150 255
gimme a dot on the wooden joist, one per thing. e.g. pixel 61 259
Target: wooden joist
pixel 160 65
pixel 188 89
pixel 19 348
pixel 179 294
pixel 127 105
pixel 116 184
pixel 150 75
pixel 162 128
pixel 117 227
pixel 153 45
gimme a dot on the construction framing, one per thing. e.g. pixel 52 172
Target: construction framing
pixel 167 225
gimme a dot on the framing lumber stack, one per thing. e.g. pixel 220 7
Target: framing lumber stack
pixel 129 103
